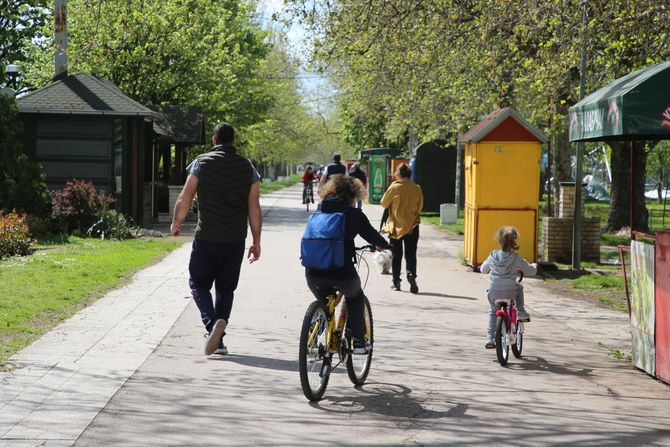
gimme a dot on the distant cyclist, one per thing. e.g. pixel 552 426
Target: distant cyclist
pixel 308 178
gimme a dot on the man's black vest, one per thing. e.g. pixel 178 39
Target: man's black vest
pixel 335 168
pixel 223 195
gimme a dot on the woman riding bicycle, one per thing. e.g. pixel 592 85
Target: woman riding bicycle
pixel 308 178
pixel 339 194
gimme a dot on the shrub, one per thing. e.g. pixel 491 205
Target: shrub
pixel 76 207
pixel 14 235
pixel 112 225
pixel 22 184
pixel 38 226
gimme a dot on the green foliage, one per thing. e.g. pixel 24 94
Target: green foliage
pixel 22 185
pixel 160 52
pixel 14 235
pixel 112 225
pixel 20 22
pixel 435 67
pixel 76 207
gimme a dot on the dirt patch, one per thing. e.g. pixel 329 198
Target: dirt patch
pixel 560 282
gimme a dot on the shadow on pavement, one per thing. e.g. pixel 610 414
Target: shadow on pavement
pixel 444 295
pixel 533 363
pixel 386 399
pixel 259 362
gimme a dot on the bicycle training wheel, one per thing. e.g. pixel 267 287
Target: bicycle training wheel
pixel 502 340
pixel 518 345
pixel 314 369
pixel 358 365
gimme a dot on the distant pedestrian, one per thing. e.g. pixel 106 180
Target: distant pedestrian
pixel 335 167
pixel 357 172
pixel 227 186
pixel 404 202
pixel 502 266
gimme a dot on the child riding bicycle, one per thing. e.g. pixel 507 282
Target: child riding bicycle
pixel 502 266
pixel 308 178
pixel 339 195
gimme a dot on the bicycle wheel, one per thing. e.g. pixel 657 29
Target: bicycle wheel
pixel 518 345
pixel 313 365
pixel 358 365
pixel 502 340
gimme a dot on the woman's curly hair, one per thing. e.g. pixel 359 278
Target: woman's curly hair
pixel 347 189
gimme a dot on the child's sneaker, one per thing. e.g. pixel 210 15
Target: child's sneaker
pixel 522 315
pixel 490 344
pixel 361 346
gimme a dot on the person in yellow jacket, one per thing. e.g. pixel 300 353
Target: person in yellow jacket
pixel 404 202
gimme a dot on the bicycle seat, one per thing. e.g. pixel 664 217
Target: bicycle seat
pixel 507 301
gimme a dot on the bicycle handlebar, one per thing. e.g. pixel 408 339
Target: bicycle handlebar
pixel 366 247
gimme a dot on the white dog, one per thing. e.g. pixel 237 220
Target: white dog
pixel 383 260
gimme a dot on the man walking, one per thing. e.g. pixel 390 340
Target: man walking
pixel 357 172
pixel 228 192
pixel 335 167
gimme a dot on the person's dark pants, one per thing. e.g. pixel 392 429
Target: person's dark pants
pixel 218 263
pixel 351 288
pixel 409 242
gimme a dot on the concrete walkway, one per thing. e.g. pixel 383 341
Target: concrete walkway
pixel 129 370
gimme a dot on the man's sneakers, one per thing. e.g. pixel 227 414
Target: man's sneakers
pixel 490 344
pixel 396 284
pixel 411 279
pixel 361 346
pixel 522 315
pixel 215 335
pixel 221 350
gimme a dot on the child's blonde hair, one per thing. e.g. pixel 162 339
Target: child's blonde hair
pixel 507 238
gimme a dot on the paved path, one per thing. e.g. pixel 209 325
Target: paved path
pixel 129 370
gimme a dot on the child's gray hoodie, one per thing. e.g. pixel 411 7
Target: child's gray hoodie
pixel 502 267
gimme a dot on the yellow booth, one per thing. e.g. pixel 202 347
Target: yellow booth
pixel 502 181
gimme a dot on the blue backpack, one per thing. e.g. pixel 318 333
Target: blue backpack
pixel 322 245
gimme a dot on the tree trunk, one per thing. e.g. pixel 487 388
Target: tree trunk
pixel 620 201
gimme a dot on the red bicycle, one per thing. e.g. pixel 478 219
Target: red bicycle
pixel 509 331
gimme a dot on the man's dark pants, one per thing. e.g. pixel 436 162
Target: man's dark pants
pixel 217 263
pixel 410 241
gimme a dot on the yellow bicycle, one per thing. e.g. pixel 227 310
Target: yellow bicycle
pixel 326 342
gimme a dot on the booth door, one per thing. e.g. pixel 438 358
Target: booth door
pixel 662 305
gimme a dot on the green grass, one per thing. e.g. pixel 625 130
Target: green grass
pixel 434 219
pixel 613 304
pixel 596 281
pixel 63 276
pixel 267 187
pixel 617 354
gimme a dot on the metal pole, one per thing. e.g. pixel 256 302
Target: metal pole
pixel 60 37
pixel 577 227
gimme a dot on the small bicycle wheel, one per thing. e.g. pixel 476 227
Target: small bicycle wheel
pixel 502 340
pixel 313 365
pixel 358 365
pixel 518 345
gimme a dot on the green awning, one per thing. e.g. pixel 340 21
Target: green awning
pixel 366 153
pixel 635 107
